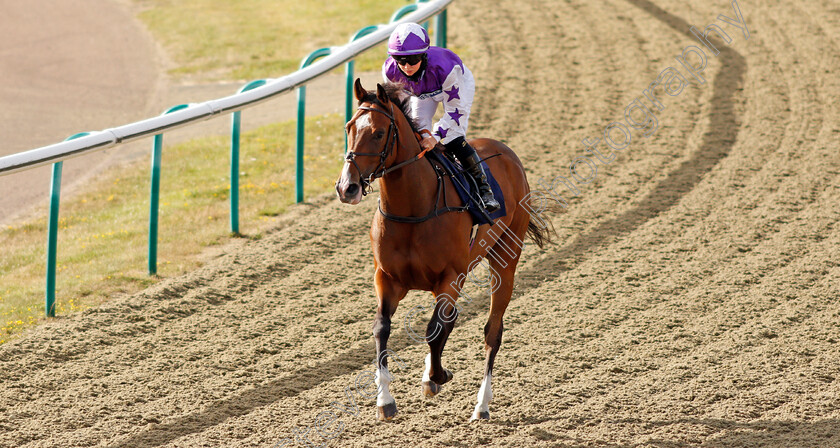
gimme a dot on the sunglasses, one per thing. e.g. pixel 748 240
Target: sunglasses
pixel 409 59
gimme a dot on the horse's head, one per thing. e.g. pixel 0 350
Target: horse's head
pixel 371 140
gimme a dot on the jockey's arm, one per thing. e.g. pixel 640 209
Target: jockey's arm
pixel 457 94
pixel 423 112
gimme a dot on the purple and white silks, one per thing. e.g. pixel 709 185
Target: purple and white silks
pixel 445 80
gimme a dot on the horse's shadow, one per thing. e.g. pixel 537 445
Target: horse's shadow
pixel 713 433
pixel 716 145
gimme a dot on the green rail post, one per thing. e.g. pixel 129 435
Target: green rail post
pixel 425 24
pixel 402 12
pixel 440 29
pixel 52 238
pixel 236 121
pixel 350 68
pixel 301 117
pixel 157 149
pixel 52 232
pixel 405 10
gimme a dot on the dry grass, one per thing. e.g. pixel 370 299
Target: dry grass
pixel 243 40
pixel 103 237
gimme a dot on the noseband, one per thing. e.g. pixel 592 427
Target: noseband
pixel 386 150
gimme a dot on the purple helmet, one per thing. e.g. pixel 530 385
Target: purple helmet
pixel 407 39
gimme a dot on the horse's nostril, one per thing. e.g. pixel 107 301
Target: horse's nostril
pixel 352 190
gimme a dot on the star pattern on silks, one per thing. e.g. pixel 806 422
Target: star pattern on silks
pixel 442 132
pixel 453 93
pixel 409 30
pixel 456 116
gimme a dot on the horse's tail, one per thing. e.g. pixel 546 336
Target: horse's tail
pixel 540 235
pixel 540 230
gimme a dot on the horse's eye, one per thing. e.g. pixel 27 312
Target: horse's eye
pixel 378 135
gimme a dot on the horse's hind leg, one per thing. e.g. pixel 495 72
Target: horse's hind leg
pixel 504 265
pixel 388 295
pixel 437 332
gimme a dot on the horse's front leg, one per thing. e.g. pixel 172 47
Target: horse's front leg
pixel 440 325
pixel 389 294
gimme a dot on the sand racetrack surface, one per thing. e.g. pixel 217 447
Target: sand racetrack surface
pixel 68 67
pixel 690 298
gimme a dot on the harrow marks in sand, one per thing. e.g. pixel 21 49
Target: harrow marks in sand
pixel 690 298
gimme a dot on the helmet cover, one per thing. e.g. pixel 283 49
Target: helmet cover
pixel 408 39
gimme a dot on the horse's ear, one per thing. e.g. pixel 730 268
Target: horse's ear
pixel 381 94
pixel 359 90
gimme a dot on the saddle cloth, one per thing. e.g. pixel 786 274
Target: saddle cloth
pixel 466 188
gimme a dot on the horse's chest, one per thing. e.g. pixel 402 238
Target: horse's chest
pixel 405 255
pixel 418 259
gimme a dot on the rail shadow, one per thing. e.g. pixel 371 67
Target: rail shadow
pixel 251 399
pixel 718 433
pixel 765 433
pixel 716 145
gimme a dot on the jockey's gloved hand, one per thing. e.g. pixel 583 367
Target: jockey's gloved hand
pixel 427 140
pixel 428 143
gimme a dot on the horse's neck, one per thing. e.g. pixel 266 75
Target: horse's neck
pixel 410 190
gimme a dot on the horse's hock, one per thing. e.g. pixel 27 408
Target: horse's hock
pixel 690 298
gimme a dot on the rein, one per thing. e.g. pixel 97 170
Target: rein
pixel 381 171
pixel 436 211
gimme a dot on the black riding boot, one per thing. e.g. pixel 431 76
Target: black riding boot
pixel 472 164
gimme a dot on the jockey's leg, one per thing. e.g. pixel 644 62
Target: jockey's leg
pixel 469 159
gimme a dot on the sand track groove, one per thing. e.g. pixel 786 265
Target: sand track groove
pixel 689 299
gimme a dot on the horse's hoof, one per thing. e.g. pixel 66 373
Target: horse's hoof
pixel 387 412
pixel 480 415
pixel 447 377
pixel 430 388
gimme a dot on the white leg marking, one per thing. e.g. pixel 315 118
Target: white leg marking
pixel 383 379
pixel 485 394
pixel 428 368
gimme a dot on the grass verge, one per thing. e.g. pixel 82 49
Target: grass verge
pixel 103 236
pixel 213 40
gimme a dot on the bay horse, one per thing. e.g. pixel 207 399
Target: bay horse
pixel 417 246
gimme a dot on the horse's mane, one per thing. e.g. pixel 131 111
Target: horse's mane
pixel 399 96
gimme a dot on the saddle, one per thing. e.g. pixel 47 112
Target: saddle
pixel 466 187
pixel 445 165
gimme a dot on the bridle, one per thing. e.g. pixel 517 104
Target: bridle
pixel 381 170
pixel 386 150
pixel 393 131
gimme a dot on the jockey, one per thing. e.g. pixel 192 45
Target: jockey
pixel 436 75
